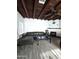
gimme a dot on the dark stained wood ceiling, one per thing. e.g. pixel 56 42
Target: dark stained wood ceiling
pixel 50 10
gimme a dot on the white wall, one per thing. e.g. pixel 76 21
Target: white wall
pixel 35 25
pixel 42 25
pixel 20 24
pixel 29 25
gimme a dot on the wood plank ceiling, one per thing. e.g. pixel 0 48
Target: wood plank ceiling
pixel 50 10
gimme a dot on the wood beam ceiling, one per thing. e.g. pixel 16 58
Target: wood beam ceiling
pixel 33 9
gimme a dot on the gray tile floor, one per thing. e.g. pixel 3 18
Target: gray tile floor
pixel 44 50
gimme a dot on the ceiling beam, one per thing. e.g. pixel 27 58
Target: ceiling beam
pixel 57 14
pixel 20 8
pixel 50 3
pixel 24 6
pixel 33 9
